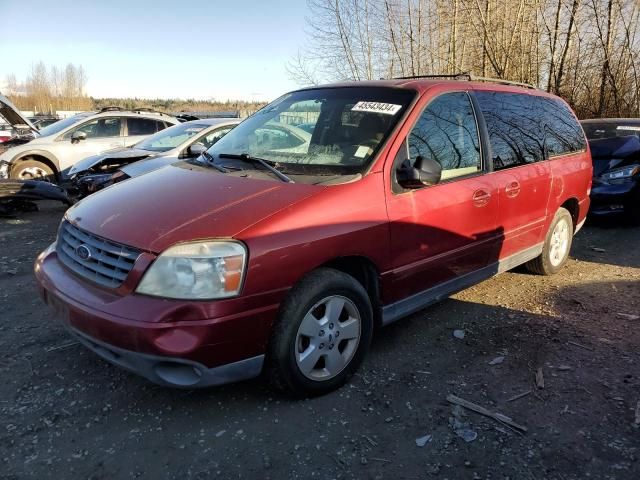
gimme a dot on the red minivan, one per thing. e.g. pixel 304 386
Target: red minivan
pixel 331 211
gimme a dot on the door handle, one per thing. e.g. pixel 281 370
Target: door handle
pixel 512 190
pixel 481 198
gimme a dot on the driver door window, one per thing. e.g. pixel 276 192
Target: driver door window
pixel 447 133
pixel 99 128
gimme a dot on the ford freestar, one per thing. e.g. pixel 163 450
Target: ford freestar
pixel 281 248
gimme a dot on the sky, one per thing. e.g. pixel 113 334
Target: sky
pixel 216 49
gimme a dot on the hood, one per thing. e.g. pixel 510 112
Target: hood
pixel 135 169
pixel 182 202
pixel 117 157
pixel 12 115
pixel 614 152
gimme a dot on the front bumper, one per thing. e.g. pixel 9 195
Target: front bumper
pixel 169 371
pixel 172 343
pixel 613 198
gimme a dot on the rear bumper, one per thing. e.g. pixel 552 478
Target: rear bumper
pixel 172 343
pixel 613 198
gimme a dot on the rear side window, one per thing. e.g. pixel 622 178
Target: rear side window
pixel 528 128
pixel 447 133
pixel 563 133
pixel 143 126
pixel 515 127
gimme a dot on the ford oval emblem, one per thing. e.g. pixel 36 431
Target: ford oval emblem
pixel 83 252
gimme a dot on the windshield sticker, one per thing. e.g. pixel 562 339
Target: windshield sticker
pixel 628 127
pixel 362 151
pixel 377 107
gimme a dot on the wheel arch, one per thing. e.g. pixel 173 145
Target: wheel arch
pixel 573 207
pixel 38 155
pixel 365 271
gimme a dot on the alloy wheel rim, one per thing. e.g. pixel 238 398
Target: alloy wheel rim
pixel 328 338
pixel 31 173
pixel 559 243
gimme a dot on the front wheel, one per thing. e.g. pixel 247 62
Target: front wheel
pixel 31 170
pixel 557 244
pixel 323 332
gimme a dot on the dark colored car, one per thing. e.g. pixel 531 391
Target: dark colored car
pixel 280 251
pixel 615 150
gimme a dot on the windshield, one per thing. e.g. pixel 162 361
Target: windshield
pixel 60 125
pixel 327 130
pixel 171 137
pixel 594 130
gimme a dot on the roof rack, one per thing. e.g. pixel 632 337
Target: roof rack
pixel 141 109
pixel 471 78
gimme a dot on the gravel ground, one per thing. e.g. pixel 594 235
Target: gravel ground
pixel 64 413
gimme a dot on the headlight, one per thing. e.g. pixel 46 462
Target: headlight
pixel 620 173
pixel 199 271
pixel 4 169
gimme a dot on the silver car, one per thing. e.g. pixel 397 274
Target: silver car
pixel 61 145
pixel 180 142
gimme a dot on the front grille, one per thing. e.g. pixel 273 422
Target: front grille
pixel 107 264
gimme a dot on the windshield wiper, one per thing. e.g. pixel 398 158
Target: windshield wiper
pixel 211 162
pixel 248 158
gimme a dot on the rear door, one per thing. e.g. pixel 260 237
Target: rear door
pixel 521 173
pixel 442 233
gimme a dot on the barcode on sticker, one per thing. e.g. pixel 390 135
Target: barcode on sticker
pixel 377 107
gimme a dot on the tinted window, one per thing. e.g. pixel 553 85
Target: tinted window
pixel 515 126
pixel 447 133
pixel 143 126
pixel 563 133
pixel 99 128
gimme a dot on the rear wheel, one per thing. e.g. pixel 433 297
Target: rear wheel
pixel 31 170
pixel 322 333
pixel 557 245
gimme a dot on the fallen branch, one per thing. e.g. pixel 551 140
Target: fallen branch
pixel 487 413
pixel 580 345
pixel 61 347
pixel 520 395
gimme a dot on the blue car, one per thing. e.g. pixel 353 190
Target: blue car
pixel 615 150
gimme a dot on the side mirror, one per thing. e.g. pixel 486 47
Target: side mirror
pixel 77 136
pixel 424 172
pixel 196 150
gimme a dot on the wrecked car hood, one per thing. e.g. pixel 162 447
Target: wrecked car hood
pixel 115 156
pixel 12 115
pixel 135 169
pixel 180 203
pixel 614 152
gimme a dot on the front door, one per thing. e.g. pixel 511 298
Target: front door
pixel 101 134
pixel 444 232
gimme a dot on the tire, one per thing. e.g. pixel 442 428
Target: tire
pixel 306 358
pixel 32 170
pixel 557 245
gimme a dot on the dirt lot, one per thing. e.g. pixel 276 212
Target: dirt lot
pixel 64 413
